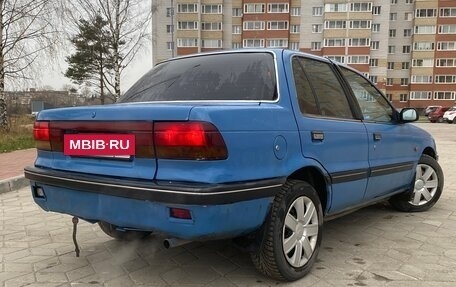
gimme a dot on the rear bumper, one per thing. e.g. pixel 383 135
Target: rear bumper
pixel 218 211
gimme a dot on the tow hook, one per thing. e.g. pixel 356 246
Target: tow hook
pixel 75 229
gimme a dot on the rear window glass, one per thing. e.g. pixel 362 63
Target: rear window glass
pixel 236 76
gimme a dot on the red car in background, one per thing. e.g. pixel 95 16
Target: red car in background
pixel 436 116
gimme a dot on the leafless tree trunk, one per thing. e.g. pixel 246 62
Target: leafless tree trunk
pixel 26 33
pixel 128 21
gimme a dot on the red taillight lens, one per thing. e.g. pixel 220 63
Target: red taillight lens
pixel 41 134
pixel 180 213
pixel 188 140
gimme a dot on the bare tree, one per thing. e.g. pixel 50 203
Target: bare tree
pixel 26 33
pixel 128 22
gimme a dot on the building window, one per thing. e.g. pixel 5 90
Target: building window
pixel 315 46
pixel 358 59
pixel 406 49
pixel 446 46
pixel 169 29
pixel 340 59
pixel 448 12
pixel 430 29
pixel 393 1
pixel 187 42
pixel 420 95
pixel 403 98
pixel 404 81
pixel 294 46
pixel 278 8
pixel 389 81
pixel 445 79
pixel 361 7
pixel 422 62
pixel 211 43
pixel 253 8
pixel 169 12
pixel 359 42
pixel 390 65
pixel 187 8
pixel 187 25
pixel 405 65
pixel 408 1
pixel 253 43
pixel 336 24
pixel 375 28
pixel 445 62
pixel 407 32
pixel 421 79
pixel 335 42
pixel 392 33
pixel 237 29
pixel 211 26
pixel 277 43
pixel 338 7
pixel 236 45
pixel 447 29
pixel 317 28
pixel 237 12
pixel 169 46
pixel 253 25
pixel 373 79
pixel 389 97
pixel 211 9
pixel 376 10
pixel 391 49
pixel 408 16
pixel 360 24
pixel 277 25
pixel 425 13
pixel 444 95
pixel 393 16
pixel 295 29
pixel 317 11
pixel 295 11
pixel 373 62
pixel 375 45
pixel 423 46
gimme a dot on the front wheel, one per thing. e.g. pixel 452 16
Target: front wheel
pixel 126 235
pixel 440 120
pixel 427 187
pixel 292 234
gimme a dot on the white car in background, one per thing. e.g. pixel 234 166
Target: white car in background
pixel 449 115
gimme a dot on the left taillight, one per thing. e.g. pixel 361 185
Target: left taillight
pixel 41 134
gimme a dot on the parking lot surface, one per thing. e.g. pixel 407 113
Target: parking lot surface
pixel 375 246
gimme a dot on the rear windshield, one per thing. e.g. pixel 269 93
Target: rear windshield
pixel 236 76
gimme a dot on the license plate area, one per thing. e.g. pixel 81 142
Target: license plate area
pixel 108 146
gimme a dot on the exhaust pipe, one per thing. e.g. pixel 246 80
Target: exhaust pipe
pixel 174 242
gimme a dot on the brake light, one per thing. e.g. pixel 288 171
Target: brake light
pixel 41 134
pixel 188 140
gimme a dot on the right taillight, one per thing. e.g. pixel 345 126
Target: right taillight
pixel 188 140
pixel 41 134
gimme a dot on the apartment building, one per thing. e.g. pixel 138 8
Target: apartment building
pixel 406 47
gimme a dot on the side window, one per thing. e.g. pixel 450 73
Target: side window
pixel 320 91
pixel 374 106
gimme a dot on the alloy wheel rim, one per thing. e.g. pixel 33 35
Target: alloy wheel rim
pixel 300 231
pixel 426 184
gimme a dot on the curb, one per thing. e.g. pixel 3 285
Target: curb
pixel 13 183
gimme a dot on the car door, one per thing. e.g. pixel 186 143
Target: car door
pixel 392 151
pixel 329 132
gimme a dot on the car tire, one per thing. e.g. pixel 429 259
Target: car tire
pixel 426 190
pixel 440 120
pixel 292 233
pixel 127 235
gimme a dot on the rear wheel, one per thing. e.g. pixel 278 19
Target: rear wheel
pixel 127 235
pixel 427 187
pixel 440 120
pixel 292 234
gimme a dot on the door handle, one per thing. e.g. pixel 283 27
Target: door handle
pixel 318 136
pixel 377 136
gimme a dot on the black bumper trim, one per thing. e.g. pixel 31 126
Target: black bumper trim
pixel 166 192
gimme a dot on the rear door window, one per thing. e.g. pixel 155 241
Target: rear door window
pixel 232 77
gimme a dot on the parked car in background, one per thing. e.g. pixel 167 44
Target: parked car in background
pixel 260 145
pixel 430 109
pixel 436 116
pixel 449 115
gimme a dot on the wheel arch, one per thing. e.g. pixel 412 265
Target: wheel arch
pixel 430 152
pixel 317 179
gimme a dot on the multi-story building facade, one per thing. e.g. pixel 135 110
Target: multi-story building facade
pixel 406 47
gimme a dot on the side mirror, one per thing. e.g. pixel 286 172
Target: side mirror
pixel 408 115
